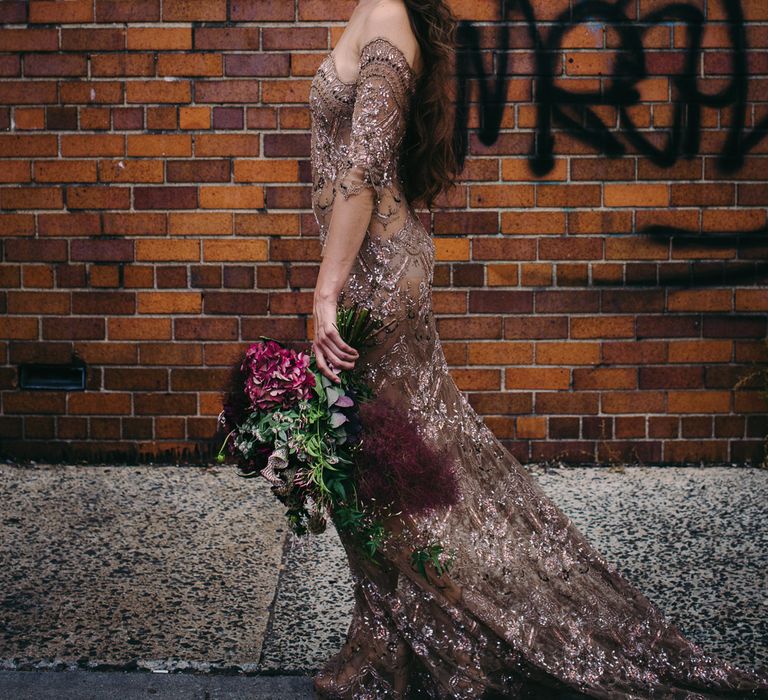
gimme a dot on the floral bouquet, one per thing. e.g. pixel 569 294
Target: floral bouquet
pixel 332 449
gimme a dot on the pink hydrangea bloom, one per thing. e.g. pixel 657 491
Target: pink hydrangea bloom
pixel 276 377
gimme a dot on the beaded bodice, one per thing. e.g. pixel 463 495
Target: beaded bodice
pixel 357 131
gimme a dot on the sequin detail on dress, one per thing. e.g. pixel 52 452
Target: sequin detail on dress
pixel 529 607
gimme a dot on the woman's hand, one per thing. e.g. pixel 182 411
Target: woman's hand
pixel 331 351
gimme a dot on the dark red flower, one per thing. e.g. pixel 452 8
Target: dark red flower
pixel 396 466
pixel 276 377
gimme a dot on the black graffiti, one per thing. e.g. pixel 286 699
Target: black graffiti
pixel 629 68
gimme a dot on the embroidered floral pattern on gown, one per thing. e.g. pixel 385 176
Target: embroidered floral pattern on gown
pixel 529 608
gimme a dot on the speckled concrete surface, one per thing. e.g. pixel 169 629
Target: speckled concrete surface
pixel 187 568
pixel 156 567
pixel 312 612
pixel 693 539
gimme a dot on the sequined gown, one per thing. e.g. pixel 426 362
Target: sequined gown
pixel 529 608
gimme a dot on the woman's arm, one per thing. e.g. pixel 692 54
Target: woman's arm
pixel 349 222
pixel 378 125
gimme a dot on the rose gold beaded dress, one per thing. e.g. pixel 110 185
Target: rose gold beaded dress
pixel 529 609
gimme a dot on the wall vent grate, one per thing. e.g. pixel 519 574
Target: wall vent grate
pixel 52 377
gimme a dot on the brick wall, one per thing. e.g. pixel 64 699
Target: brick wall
pixel 600 284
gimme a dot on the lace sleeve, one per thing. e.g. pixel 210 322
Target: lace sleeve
pixel 378 120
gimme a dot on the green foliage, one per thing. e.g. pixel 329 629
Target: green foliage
pixel 430 554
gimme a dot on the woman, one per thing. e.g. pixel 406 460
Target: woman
pixel 528 608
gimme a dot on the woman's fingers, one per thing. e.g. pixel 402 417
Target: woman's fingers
pixel 332 352
pixel 333 357
pixel 322 365
pixel 341 353
pixel 340 345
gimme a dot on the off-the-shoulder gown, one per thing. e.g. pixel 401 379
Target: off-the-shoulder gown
pixel 529 608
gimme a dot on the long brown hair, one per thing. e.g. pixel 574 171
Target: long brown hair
pixel 429 161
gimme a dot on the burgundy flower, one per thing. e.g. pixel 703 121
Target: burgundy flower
pixel 276 377
pixel 395 465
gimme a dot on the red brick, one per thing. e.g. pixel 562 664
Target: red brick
pixel 194 10
pixel 130 224
pixel 227 145
pixel 135 379
pixel 17 225
pixel 319 10
pixel 159 38
pixel 98 197
pixel 235 303
pixel 73 328
pixel 134 11
pixel 70 276
pixel 231 90
pixel 284 145
pixel 46 64
pixel 92 39
pixel 42 303
pixel 91 92
pixel 99 403
pixel 503 249
pixel 31 198
pixel 19 328
pixel 65 171
pixel 158 91
pixel 218 329
pixel 195 117
pixel 139 328
pixel 199 379
pixel 185 354
pixel 32 402
pixel 570 248
pixel 15 171
pixel 234 250
pixel 103 303
pixel 568 195
pixel 165 198
pixel 107 353
pixel 60 11
pixel 228 38
pixel 232 197
pixel 198 170
pixel 35 250
pixel 122 64
pixel 202 223
pixel 15 39
pixel 38 276
pixel 164 404
pixel 169 302
pixel 261 64
pixel 189 64
pixel 10 276
pixel 101 250
pixel 283 38
pixel 90 145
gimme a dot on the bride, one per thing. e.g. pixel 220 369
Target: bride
pixel 528 608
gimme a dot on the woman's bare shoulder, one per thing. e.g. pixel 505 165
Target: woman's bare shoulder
pixel 389 19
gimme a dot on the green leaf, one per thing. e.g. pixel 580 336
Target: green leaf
pixel 337 418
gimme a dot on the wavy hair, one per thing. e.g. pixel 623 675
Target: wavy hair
pixel 429 160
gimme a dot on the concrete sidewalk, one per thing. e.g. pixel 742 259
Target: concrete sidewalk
pixel 107 569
